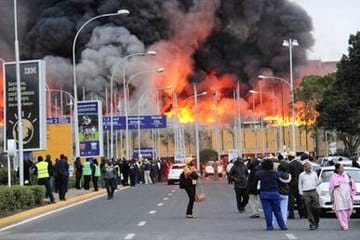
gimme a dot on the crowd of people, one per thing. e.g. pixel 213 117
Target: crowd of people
pixel 288 186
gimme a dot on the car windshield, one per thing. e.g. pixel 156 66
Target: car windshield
pixel 177 167
pixel 355 174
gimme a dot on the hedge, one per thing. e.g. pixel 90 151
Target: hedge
pixel 4 176
pixel 17 198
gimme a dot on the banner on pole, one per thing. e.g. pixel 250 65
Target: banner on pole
pixel 90 129
pixel 32 76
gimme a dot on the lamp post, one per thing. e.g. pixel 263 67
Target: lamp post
pixel 255 131
pixel 291 86
pixel 217 134
pixel 125 98
pixel 196 95
pixel 290 44
pixel 120 12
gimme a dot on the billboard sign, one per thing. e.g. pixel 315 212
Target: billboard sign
pixel 90 129
pixel 134 122
pixel 32 77
pixel 145 153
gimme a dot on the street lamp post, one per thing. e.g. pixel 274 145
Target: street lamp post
pixel 120 12
pixel 255 128
pixel 217 128
pixel 197 142
pixel 290 44
pixel 126 97
pixel 291 86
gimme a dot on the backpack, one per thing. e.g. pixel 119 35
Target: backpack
pixel 182 180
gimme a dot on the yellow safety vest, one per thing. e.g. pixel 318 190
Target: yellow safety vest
pixel 42 170
pixel 97 171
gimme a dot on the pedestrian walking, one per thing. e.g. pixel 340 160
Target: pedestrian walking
pixel 308 181
pixel 78 172
pixel 191 177
pixel 125 171
pixel 269 194
pixel 284 191
pixel 147 169
pixel 239 174
pixel 228 169
pixel 95 174
pixel 62 172
pixel 252 187
pixel 87 173
pixel 42 172
pixel 342 191
pixel 109 177
pixel 295 169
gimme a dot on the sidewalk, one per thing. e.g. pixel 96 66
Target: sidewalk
pixel 72 196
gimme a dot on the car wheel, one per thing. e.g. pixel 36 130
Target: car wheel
pixel 322 212
pixel 170 182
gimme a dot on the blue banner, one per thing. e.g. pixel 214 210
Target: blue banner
pixel 90 129
pixel 58 120
pixel 134 122
pixel 145 153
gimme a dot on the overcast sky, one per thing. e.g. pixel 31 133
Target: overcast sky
pixel 334 21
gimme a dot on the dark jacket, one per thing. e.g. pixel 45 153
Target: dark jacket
pixel 252 180
pixel 239 174
pixel 295 168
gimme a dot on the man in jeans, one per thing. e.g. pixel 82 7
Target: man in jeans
pixel 308 181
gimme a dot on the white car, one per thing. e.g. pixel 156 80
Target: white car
pixel 326 161
pixel 174 173
pixel 323 189
pixel 209 170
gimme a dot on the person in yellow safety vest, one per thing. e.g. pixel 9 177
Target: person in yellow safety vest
pixel 96 173
pixel 87 173
pixel 42 172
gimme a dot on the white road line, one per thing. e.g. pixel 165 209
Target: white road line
pixel 152 212
pixel 290 236
pixel 169 194
pixel 160 204
pixel 54 211
pixel 173 190
pixel 165 198
pixel 142 223
pixel 130 236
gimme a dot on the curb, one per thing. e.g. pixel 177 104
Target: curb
pixel 50 207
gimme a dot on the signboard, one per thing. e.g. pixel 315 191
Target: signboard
pixel 90 129
pixel 32 76
pixel 233 154
pixel 58 120
pixel 134 122
pixel 145 153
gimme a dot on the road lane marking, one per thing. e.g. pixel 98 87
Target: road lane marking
pixel 142 223
pixel 290 236
pixel 130 236
pixel 173 190
pixel 165 198
pixel 160 204
pixel 55 211
pixel 152 212
pixel 169 194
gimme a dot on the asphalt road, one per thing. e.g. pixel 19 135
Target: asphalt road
pixel 158 212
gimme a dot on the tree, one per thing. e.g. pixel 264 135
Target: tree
pixel 307 96
pixel 339 108
pixel 208 155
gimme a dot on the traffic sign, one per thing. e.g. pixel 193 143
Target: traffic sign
pixel 134 122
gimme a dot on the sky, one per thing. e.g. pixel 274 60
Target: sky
pixel 334 21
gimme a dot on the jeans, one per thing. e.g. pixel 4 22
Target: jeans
pixel 284 199
pixel 242 198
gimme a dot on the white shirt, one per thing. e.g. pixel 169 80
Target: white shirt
pixel 308 181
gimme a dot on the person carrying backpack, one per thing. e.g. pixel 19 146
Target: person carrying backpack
pixel 239 174
pixel 191 177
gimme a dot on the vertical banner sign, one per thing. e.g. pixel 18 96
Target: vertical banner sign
pixel 32 75
pixel 90 129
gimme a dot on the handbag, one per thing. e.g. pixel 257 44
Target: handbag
pixel 200 196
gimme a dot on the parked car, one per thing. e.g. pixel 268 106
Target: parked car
pixel 209 170
pixel 330 160
pixel 175 171
pixel 323 189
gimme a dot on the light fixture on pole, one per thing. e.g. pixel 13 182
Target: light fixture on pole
pixel 291 87
pixel 126 99
pixel 255 127
pixel 290 44
pixel 127 145
pixel 197 141
pixel 120 12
